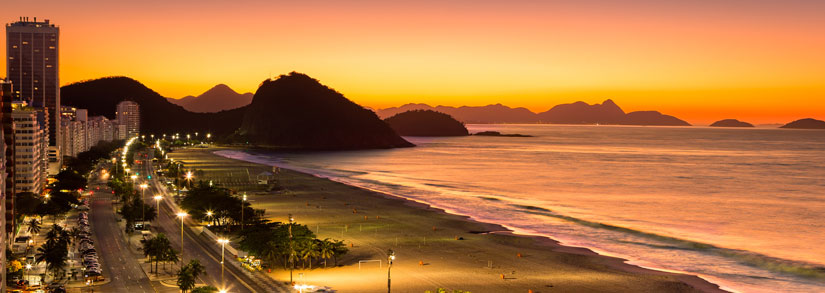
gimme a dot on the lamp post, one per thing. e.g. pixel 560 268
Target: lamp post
pixel 181 215
pixel 189 179
pixel 158 198
pixel 28 267
pixel 211 219
pixel 223 242
pixel 390 258
pixel 142 197
pixel 291 250
pixel 243 203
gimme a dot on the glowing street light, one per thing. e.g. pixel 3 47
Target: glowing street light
pixel 158 198
pixel 223 242
pixel 243 203
pixel 390 258
pixel 142 197
pixel 291 250
pixel 189 179
pixel 181 215
pixel 209 214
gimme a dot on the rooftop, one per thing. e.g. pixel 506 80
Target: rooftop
pixel 25 22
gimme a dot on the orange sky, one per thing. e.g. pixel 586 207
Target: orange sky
pixel 761 61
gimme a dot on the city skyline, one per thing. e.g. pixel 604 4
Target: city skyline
pixel 756 61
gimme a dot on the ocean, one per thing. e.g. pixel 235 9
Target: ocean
pixel 742 208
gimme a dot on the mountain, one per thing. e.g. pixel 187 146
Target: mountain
pixel 731 123
pixel 582 113
pixel 807 123
pixel 220 97
pixel 157 114
pixel 497 113
pixel 426 123
pixel 652 118
pixel 576 113
pixel 296 111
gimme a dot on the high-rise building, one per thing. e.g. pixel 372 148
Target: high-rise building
pixel 4 238
pixel 32 66
pixel 6 92
pixel 128 114
pixel 29 142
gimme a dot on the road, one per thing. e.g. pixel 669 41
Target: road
pixel 237 280
pixel 118 263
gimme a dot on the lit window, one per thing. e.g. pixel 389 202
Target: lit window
pixel 25 43
pixel 14 46
pixel 51 47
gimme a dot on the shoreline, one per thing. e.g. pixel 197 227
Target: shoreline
pixel 632 277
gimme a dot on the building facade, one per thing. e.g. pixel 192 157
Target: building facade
pixel 81 132
pixel 32 66
pixel 30 150
pixel 7 94
pixel 128 115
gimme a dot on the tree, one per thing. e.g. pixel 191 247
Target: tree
pixel 309 251
pixel 188 274
pixel 160 249
pixel 69 180
pixel 326 250
pixel 25 203
pixel 55 251
pixel 33 226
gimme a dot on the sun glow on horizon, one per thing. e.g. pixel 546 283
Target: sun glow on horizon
pixel 759 60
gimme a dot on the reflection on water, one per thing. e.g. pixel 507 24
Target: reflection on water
pixel 742 207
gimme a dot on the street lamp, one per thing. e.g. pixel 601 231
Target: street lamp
pixel 390 258
pixel 181 215
pixel 243 202
pixel 28 267
pixel 223 242
pixel 291 250
pixel 209 214
pixel 142 197
pixel 189 179
pixel 158 198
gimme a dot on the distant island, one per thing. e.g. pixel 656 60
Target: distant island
pixel 496 133
pixel 576 113
pixel 296 111
pixel 219 98
pixel 807 123
pixel 426 123
pixel 731 123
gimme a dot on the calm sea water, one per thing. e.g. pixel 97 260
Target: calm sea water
pixel 744 208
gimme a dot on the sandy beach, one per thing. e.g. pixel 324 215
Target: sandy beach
pixel 433 249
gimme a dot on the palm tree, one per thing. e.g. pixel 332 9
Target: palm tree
pixel 326 250
pixel 188 274
pixel 310 251
pixel 33 226
pixel 55 254
pixel 339 249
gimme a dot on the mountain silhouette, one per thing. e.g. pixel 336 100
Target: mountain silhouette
pixel 807 123
pixel 157 115
pixel 296 111
pixel 426 123
pixel 497 113
pixel 576 113
pixel 218 98
pixel 582 113
pixel 731 123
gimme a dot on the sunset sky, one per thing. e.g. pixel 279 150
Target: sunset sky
pixel 760 61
